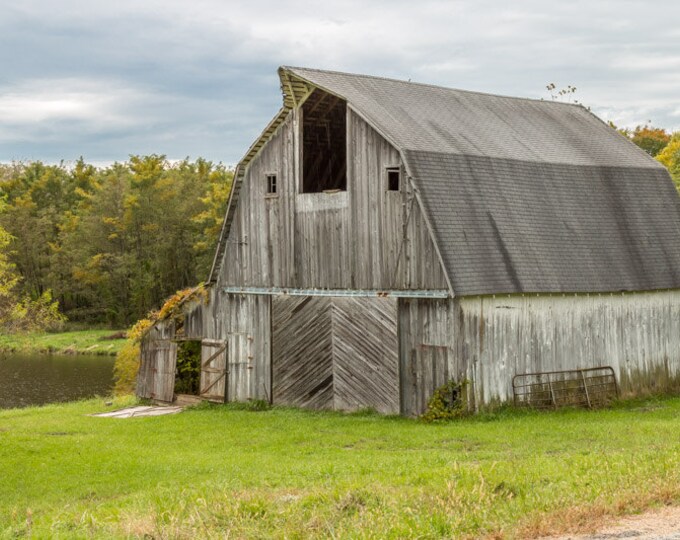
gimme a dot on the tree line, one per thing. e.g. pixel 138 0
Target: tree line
pixel 660 144
pixel 109 243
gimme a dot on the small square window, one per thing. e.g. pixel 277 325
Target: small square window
pixel 271 184
pixel 393 178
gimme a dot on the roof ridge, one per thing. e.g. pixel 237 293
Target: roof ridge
pixel 428 85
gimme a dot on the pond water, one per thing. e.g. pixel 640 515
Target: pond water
pixel 36 379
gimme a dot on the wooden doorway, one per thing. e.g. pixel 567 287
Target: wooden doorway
pixel 156 379
pixel 335 353
pixel 214 372
pixel 188 367
pixel 239 367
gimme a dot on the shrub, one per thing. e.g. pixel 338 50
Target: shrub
pixel 127 360
pixel 448 402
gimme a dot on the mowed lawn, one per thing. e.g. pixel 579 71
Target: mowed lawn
pixel 77 342
pixel 217 471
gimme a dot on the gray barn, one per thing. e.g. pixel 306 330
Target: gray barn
pixel 383 237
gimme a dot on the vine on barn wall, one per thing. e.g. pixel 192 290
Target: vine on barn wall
pixel 127 362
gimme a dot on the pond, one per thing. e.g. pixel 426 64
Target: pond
pixel 36 379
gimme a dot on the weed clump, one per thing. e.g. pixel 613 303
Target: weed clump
pixel 449 402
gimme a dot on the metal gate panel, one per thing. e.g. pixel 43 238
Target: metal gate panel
pixel 589 387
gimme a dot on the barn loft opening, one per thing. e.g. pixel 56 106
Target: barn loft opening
pixel 324 150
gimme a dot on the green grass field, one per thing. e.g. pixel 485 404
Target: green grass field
pixel 80 342
pixel 217 471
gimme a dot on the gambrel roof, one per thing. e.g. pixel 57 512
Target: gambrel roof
pixel 522 195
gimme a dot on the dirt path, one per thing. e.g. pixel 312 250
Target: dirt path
pixel 662 524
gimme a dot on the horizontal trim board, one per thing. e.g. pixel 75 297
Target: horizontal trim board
pixel 274 291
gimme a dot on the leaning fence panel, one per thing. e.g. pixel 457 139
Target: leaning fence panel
pixel 590 387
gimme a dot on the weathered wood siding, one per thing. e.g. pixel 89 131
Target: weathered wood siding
pixel 638 334
pixel 302 351
pixel 364 238
pixel 427 351
pixel 365 354
pixel 390 245
pixel 335 353
pixel 193 319
pixel 214 367
pixel 156 379
pixel 243 321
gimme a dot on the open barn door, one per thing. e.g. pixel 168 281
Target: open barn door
pixel 226 368
pixel 157 370
pixel 214 372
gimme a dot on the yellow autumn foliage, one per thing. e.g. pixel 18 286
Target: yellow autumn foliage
pixel 670 157
pixel 126 366
pixel 20 313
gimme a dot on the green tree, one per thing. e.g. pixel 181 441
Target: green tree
pixel 112 243
pixel 19 313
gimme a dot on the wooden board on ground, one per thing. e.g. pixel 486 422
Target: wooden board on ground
pixel 140 411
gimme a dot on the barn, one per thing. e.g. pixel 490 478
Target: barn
pixel 384 237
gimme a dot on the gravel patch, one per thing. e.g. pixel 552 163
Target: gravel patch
pixel 661 524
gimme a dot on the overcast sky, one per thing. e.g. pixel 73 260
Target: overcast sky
pixel 198 78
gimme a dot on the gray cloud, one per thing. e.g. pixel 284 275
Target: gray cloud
pixel 109 79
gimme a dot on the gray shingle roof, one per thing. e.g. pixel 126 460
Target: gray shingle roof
pixel 525 195
pixel 435 119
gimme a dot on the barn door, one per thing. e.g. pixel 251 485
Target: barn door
pixel 426 351
pixel 335 353
pixel 365 354
pixel 158 369
pixel 214 370
pixel 302 352
pixel 239 367
pixel 425 371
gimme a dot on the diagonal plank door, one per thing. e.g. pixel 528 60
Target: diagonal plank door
pixel 335 353
pixel 213 370
pixel 366 354
pixel 302 356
